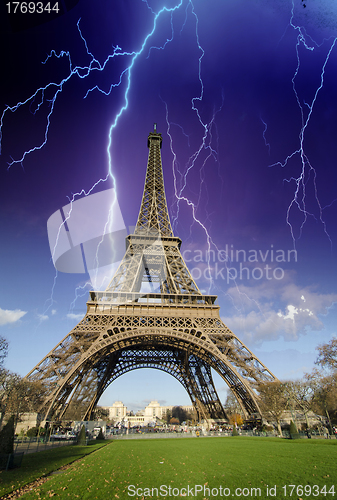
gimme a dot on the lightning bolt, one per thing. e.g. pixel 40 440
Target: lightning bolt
pixel 307 171
pixel 46 96
pixel 211 152
pixel 205 145
pixel 49 303
pixel 264 134
pixel 82 72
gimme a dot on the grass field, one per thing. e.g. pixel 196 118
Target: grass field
pixel 35 465
pixel 218 467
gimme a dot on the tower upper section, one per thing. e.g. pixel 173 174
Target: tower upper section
pixel 153 266
pixel 153 216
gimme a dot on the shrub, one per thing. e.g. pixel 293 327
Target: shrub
pixel 81 440
pixel 100 435
pixel 42 432
pixel 32 432
pixel 293 431
pixel 267 428
pixel 7 437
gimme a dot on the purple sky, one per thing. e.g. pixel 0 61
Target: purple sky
pixel 244 94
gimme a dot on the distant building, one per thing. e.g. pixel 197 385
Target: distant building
pixel 152 413
pixel 27 421
pixel 117 411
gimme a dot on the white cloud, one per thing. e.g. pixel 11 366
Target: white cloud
pixel 7 316
pixel 53 312
pixel 291 313
pixel 43 317
pixel 78 317
pixel 271 311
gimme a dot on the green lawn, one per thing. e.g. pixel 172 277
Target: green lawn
pixel 218 466
pixel 35 465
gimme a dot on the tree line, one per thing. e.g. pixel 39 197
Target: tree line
pixel 316 392
pixel 17 395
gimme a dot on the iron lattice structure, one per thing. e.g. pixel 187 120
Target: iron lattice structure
pixel 152 315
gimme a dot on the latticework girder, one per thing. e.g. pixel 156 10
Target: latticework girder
pixel 153 214
pixel 195 331
pixel 153 253
pixel 174 328
pixel 171 361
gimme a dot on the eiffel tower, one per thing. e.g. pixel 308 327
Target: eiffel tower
pixel 171 326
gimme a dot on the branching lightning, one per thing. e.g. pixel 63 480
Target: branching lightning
pixel 264 134
pixel 55 88
pixel 48 94
pixel 50 301
pixel 205 145
pixel 306 110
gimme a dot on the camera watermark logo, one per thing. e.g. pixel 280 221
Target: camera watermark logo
pixel 88 235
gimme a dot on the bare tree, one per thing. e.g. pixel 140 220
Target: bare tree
pixel 18 395
pixel 8 380
pixel 100 413
pixel 301 396
pixel 3 351
pixel 192 415
pixel 232 405
pixel 327 354
pixel 324 394
pixel 273 401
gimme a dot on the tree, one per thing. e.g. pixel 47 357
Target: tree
pixel 324 394
pixel 293 431
pixel 192 415
pixel 100 413
pixel 327 355
pixel 273 401
pixel 3 354
pixel 7 437
pixel 100 435
pixel 179 413
pixel 301 395
pixel 232 405
pixel 81 440
pixel 8 382
pixel 32 432
pixel 235 418
pixel 233 410
pixel 167 417
pixel 3 351
pixel 18 395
